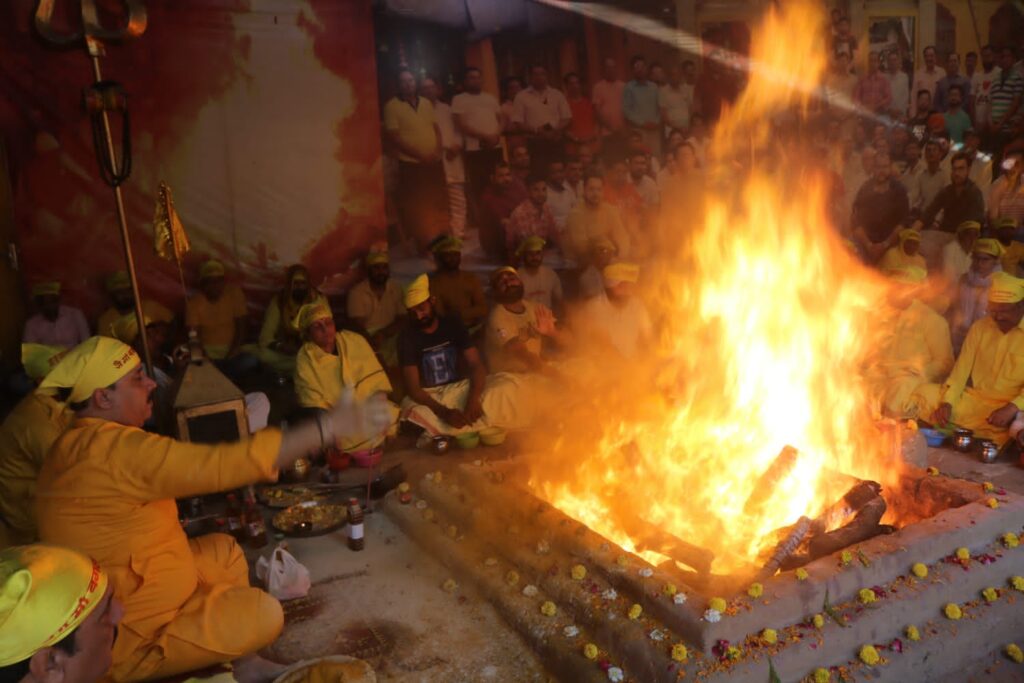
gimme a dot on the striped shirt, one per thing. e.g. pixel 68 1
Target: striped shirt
pixel 1003 93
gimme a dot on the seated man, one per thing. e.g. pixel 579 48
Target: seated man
pixel 54 324
pixel 504 193
pixel 458 292
pixel 122 302
pixel 26 435
pixel 602 253
pixel 375 307
pixel 917 355
pixel 517 328
pixel 58 616
pixel 990 361
pixel 1013 251
pixel 541 283
pixel 619 320
pixel 218 315
pixel 532 218
pixel 906 254
pixel 970 301
pixel 279 342
pixel 166 368
pixel 593 218
pixel 107 488
pixel 330 362
pixel 956 256
pixel 440 399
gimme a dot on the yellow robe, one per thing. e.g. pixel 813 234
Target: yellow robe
pixel 917 356
pixel 320 378
pixel 506 401
pixel 26 436
pixel 150 309
pixel 994 363
pixel 108 490
pixel 895 258
pixel 1012 258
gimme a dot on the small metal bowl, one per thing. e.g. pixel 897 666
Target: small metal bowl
pixel 989 451
pixel 441 445
pixel 963 439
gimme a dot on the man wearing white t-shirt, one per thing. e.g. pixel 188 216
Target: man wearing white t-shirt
pixel 981 88
pixel 899 84
pixel 543 113
pixel 478 117
pixel 927 78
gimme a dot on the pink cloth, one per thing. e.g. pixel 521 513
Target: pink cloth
pixel 69 329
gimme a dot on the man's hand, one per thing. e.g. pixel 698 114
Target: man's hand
pixel 452 416
pixel 942 414
pixel 350 417
pixel 474 411
pixel 545 322
pixel 1004 416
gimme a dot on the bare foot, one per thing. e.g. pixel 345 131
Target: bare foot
pixel 255 669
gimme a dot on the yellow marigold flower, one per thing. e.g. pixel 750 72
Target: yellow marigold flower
pixel 952 611
pixel 801 574
pixel 990 594
pixel 404 487
pixel 963 554
pixel 866 596
pixel 590 651
pixel 512 577
pixel 992 503
pixel 680 653
pixel 770 636
pixel 913 633
pixel 756 590
pixel 635 611
pixel 933 471
pixel 579 572
pixel 822 676
pixel 1011 540
pixel 733 653
pixel 846 558
pixel 717 604
pixel 449 586
pixel 1014 653
pixel 912 425
pixel 669 589
pixel 920 570
pixel 987 487
pixel 1017 582
pixel 818 621
pixel 869 655
pixel 548 609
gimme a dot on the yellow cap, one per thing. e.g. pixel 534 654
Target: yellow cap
pixel 531 243
pixel 299 277
pixel 621 272
pixel 310 313
pixel 417 292
pixel 1004 222
pixel 1005 289
pixel 908 235
pixel 39 359
pixel 46 592
pixel 46 288
pixel 377 257
pixel 118 280
pixel 126 328
pixel 911 275
pixel 94 364
pixel 503 269
pixel 447 244
pixel 969 225
pixel 989 246
pixel 212 268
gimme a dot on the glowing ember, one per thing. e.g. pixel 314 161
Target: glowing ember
pixel 766 321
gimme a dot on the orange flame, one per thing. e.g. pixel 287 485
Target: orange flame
pixel 766 322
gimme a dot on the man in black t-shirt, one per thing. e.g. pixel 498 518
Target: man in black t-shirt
pixel 445 378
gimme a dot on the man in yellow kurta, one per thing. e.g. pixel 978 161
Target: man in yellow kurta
pixel 917 356
pixel 122 302
pixel 26 435
pixel 279 341
pixel 906 254
pixel 107 489
pixel 331 361
pixel 992 359
pixel 1013 251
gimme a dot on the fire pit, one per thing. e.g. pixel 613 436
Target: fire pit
pixel 564 587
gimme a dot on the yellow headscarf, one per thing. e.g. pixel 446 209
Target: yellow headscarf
pixel 1005 289
pixel 531 243
pixel 1004 222
pixel 377 257
pixel 989 246
pixel 46 592
pixel 118 280
pixel 621 272
pixel 911 275
pixel 417 292
pixel 126 328
pixel 46 288
pixel 39 359
pixel 503 269
pixel 968 225
pixel 447 244
pixel 310 313
pixel 908 234
pixel 212 268
pixel 94 364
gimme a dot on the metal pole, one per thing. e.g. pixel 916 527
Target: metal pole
pixel 95 50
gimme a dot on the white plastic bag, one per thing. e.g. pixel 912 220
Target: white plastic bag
pixel 285 577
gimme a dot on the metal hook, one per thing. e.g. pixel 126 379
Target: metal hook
pixel 92 30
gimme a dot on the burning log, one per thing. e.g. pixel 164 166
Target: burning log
pixel 646 536
pixel 780 468
pixel 786 548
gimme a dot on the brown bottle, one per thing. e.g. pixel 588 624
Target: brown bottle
pixel 236 525
pixel 255 528
pixel 355 525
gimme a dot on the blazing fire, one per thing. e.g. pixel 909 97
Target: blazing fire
pixel 766 321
